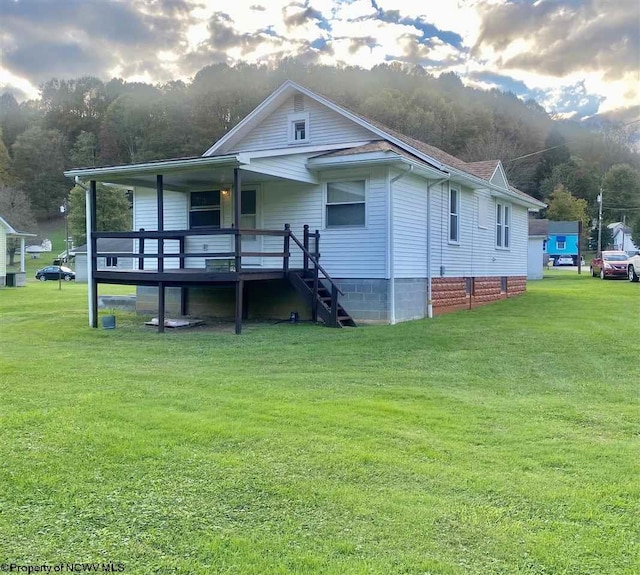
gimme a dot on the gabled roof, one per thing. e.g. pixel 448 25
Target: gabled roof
pixel 567 228
pixel 13 232
pixel 538 227
pixel 475 173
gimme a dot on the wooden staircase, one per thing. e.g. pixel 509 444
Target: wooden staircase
pixel 323 301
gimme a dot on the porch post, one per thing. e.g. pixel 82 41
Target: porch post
pixel 22 254
pixel 237 212
pixel 159 192
pixel 161 291
pixel 92 243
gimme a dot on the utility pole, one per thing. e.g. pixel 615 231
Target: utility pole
pixel 600 222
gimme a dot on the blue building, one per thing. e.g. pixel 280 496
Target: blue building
pixel 563 240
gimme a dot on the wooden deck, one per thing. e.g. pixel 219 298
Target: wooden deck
pixel 183 277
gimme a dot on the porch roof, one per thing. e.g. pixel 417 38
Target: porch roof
pixel 179 174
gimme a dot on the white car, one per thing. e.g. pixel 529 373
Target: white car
pixel 634 268
pixel 564 261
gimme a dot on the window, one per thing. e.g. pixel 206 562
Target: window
pixel 111 262
pixel 503 226
pixel 454 215
pixel 298 128
pixel 345 204
pixel 561 245
pixel 204 210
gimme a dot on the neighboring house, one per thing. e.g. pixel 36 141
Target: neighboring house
pixel 404 229
pixel 563 239
pixel 12 278
pixel 536 258
pixel 122 249
pixel 621 238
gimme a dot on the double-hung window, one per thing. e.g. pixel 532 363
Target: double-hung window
pixel 345 204
pixel 454 215
pixel 204 209
pixel 503 226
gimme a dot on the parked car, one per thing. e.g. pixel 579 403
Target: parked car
pixel 55 272
pixel 610 264
pixel 633 268
pixel 564 261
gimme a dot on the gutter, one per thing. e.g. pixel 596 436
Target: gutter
pixel 429 226
pixel 155 167
pixel 390 246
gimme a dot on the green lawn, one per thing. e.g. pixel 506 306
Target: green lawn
pixel 501 440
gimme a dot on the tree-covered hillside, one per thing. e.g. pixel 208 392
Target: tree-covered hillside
pixel 86 122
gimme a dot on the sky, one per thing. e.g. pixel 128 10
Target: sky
pixel 575 57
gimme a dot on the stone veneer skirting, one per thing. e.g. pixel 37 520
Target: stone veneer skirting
pixel 450 294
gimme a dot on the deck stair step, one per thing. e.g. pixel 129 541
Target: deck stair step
pixel 323 300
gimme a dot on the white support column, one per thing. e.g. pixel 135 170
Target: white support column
pixel 90 283
pixel 22 250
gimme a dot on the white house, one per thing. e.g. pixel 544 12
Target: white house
pixel 538 235
pixel 17 278
pixel 405 230
pixel 122 249
pixel 621 237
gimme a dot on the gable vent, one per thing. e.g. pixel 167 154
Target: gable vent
pixel 298 103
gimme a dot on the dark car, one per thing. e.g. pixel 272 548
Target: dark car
pixel 55 272
pixel 612 264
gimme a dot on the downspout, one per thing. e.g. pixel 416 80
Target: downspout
pixel 429 226
pixel 390 246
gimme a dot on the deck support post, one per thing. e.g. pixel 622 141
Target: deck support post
pixel 286 247
pixel 237 212
pixel 305 243
pixel 161 291
pixel 239 300
pixel 159 191
pixel 92 250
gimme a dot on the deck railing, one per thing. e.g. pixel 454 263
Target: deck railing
pixel 309 246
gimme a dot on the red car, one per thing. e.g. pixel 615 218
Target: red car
pixel 612 264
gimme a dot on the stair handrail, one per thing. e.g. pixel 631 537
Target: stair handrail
pixel 315 262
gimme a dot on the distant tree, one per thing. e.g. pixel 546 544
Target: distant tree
pixel 14 206
pixel 84 153
pixel 13 119
pixel 556 152
pixel 579 178
pixel 39 163
pixel 621 192
pixel 564 207
pixel 606 238
pixel 113 212
pixel 6 176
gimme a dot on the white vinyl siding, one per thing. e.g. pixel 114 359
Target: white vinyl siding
pixel 410 227
pixel 478 256
pixel 325 127
pixel 145 215
pixel 346 253
pixel 290 167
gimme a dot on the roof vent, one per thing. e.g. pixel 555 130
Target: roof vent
pixel 298 103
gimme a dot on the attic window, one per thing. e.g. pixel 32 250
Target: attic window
pixel 298 128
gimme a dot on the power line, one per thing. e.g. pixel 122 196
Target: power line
pixel 560 145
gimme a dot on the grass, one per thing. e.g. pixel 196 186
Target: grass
pixel 501 440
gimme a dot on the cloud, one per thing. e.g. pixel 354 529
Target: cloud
pixel 69 38
pixel 558 37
